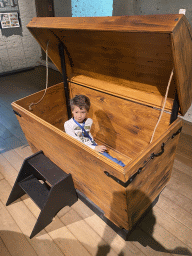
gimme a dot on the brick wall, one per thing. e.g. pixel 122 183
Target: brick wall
pixel 18 49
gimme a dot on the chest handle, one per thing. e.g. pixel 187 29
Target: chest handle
pixel 160 153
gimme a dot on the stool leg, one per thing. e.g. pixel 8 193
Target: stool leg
pixel 43 220
pixel 61 195
pixel 16 193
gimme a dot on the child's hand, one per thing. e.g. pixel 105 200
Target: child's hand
pixel 100 148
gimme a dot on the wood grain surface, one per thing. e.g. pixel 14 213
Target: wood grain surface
pixel 160 23
pixel 51 109
pixel 182 54
pixel 138 52
pixel 121 124
pixel 124 69
pixel 78 230
pixel 116 122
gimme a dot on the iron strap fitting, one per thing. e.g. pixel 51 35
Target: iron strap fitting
pixel 151 157
pixel 16 113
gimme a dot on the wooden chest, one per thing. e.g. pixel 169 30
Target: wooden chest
pixel 124 65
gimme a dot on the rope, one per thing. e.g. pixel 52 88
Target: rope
pixel 163 105
pixel 30 106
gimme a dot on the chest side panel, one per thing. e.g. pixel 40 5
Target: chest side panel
pixel 153 177
pixel 51 109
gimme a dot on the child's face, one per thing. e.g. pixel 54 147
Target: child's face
pixel 79 114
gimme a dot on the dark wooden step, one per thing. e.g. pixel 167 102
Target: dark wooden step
pixel 37 191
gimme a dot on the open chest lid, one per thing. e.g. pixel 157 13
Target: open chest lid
pixel 128 56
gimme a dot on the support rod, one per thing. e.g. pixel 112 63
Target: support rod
pixel 64 73
pixel 175 109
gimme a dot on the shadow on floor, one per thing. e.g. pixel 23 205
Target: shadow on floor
pixel 143 227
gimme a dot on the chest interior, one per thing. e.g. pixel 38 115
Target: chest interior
pixel 125 127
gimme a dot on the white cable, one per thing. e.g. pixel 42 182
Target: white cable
pixel 163 105
pixel 47 68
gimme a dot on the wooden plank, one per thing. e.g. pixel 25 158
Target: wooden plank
pixel 185 146
pixel 7 170
pixel 182 167
pixel 155 147
pixel 182 52
pixel 63 211
pixel 121 57
pixel 118 244
pixel 176 185
pixel 114 124
pixel 148 184
pixel 182 177
pixel 84 233
pixel 183 159
pixel 3 250
pixel 173 226
pixel 171 208
pixel 147 243
pixel 177 198
pixel 14 159
pixel 158 224
pixel 60 234
pixel 160 23
pixel 139 67
pixel 24 151
pixel 67 242
pixel 42 244
pixel 15 241
pixel 5 191
pixel 52 108
pixel 131 90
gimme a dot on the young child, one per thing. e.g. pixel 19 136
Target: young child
pixel 79 125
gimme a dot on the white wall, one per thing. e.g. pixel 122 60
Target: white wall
pixel 18 49
pixel 142 7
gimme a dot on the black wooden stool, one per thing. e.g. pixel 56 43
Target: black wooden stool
pixel 47 185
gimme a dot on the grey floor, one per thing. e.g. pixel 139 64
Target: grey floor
pixel 14 87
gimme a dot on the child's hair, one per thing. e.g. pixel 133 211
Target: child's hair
pixel 80 101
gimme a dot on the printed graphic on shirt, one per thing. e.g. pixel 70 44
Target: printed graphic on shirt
pixel 79 133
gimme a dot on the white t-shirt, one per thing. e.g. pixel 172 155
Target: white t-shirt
pixel 75 131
